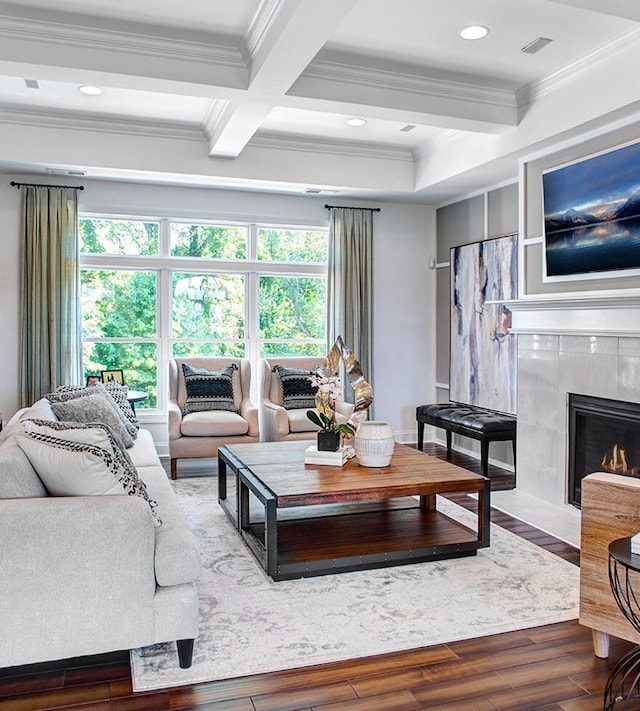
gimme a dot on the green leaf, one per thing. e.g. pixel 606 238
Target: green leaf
pixel 314 418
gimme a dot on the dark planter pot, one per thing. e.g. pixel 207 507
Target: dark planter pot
pixel 328 441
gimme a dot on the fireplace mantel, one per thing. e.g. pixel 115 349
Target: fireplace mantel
pixel 612 313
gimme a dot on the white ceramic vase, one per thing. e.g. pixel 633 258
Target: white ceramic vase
pixel 374 443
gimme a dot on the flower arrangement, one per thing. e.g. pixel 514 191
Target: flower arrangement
pixel 329 391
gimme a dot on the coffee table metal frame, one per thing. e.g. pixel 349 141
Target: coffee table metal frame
pixel 265 547
pixel 623 684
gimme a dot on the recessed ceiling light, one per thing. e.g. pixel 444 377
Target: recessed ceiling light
pixel 474 32
pixel 357 122
pixel 90 90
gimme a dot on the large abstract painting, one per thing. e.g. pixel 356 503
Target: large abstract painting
pixel 483 352
pixel 592 217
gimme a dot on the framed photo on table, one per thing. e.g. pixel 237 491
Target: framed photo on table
pixel 109 376
pixel 93 380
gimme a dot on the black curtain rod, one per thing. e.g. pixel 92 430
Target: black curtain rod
pixel 44 185
pixel 346 207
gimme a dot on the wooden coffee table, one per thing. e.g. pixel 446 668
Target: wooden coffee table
pixel 302 520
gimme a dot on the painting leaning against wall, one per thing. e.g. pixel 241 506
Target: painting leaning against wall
pixel 483 354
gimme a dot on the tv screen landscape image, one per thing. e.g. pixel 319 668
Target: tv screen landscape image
pixel 592 216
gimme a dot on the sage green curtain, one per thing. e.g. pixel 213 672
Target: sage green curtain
pixel 50 323
pixel 349 284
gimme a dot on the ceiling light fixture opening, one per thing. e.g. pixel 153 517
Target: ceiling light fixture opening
pixel 357 122
pixel 32 83
pixel 474 32
pixel 90 90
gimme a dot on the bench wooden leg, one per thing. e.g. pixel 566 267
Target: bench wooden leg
pixel 420 435
pixel 449 437
pixel 174 468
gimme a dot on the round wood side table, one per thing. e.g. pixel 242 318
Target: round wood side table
pixel 623 685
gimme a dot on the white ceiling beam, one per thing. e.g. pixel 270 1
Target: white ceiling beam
pixel 284 37
pixel 284 46
pixel 412 98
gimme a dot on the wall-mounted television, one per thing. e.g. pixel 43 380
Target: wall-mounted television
pixel 592 216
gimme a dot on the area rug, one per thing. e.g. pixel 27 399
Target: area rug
pixel 250 625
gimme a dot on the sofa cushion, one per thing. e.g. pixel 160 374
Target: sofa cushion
pixel 18 478
pixel 209 389
pixel 299 422
pixel 213 423
pixel 298 390
pixel 90 405
pixel 177 558
pixel 75 459
pixel 143 453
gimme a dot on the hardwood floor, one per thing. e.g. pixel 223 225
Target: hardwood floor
pixel 545 668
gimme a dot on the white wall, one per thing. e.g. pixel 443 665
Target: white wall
pixel 404 287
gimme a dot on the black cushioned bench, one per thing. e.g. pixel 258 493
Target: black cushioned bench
pixel 475 422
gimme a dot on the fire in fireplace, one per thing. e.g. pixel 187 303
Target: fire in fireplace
pixel 604 435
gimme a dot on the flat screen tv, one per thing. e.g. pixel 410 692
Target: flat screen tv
pixel 592 217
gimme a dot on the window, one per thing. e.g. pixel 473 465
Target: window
pixel 153 288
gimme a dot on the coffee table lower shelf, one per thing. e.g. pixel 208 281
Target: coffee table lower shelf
pixel 308 547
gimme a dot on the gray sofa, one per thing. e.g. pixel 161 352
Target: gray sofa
pixel 83 575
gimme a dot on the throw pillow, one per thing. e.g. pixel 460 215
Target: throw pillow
pixel 119 394
pixel 208 389
pixel 116 395
pixel 76 459
pixel 297 388
pixel 92 404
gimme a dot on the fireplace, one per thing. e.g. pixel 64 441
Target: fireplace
pixel 604 435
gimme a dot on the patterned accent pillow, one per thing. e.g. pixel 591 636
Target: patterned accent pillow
pixel 296 387
pixel 76 459
pixel 119 394
pixel 208 389
pixel 91 404
pixel 114 390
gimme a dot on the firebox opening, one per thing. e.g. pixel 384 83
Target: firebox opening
pixel 604 435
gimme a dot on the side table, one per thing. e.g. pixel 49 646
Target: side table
pixel 134 396
pixel 623 684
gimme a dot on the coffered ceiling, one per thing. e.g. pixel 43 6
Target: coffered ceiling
pixel 256 93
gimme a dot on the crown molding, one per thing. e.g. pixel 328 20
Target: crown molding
pixel 100 123
pixel 310 145
pixel 537 90
pixel 339 71
pixel 215 116
pixel 260 25
pixel 438 142
pixel 153 43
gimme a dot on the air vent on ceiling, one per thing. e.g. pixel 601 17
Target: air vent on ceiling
pixel 408 127
pixel 320 191
pixel 535 46
pixel 32 83
pixel 62 171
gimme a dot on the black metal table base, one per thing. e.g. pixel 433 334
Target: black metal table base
pixel 623 685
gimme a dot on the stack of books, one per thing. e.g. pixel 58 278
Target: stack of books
pixel 333 459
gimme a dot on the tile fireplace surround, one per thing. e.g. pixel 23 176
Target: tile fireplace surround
pixel 582 344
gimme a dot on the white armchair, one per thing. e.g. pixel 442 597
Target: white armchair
pixel 278 423
pixel 195 432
